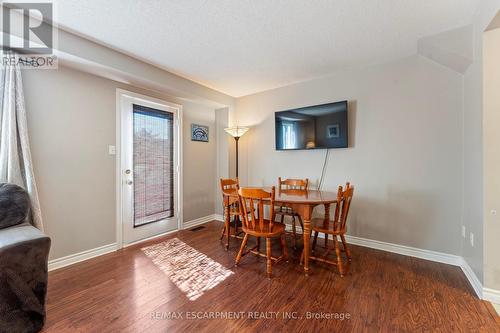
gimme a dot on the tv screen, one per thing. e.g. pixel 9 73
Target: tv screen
pixel 313 127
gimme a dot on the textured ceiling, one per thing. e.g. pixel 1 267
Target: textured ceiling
pixel 245 46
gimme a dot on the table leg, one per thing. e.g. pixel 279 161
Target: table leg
pixel 326 223
pixel 228 226
pixel 307 236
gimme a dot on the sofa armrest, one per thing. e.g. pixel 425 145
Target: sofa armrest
pixel 24 254
pixel 12 236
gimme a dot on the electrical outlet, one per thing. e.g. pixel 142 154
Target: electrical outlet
pixel 463 231
pixel 471 236
pixel 112 150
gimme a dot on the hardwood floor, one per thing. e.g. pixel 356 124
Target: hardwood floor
pixel 383 292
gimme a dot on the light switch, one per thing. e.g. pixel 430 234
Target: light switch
pixel 111 150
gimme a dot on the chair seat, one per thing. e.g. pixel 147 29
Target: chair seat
pixel 264 230
pixel 317 224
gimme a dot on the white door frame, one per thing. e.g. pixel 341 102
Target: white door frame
pixel 120 170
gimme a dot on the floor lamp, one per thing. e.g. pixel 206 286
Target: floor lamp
pixel 236 132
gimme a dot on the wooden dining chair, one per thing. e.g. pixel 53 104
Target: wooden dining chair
pixel 252 202
pixel 283 210
pixel 335 227
pixel 230 201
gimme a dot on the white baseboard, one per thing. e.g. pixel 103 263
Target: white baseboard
pixel 484 293
pixel 92 253
pixel 491 295
pixel 81 256
pixel 445 258
pixel 198 221
pixel 471 276
pixel 487 294
pixel 399 249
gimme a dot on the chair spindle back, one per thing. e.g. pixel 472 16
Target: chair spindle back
pixel 344 198
pixel 229 187
pixel 252 201
pixel 293 184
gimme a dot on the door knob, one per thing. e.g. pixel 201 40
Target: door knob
pixel 128 171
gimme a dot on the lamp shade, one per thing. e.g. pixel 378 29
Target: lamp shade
pixel 311 145
pixel 236 131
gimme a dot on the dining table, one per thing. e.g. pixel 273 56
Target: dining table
pixel 301 202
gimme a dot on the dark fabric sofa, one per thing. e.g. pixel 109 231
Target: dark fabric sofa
pixel 24 254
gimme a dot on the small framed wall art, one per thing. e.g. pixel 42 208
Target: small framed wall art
pixel 199 133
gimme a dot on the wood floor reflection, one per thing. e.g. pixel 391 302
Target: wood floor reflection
pixel 191 271
pixel 126 292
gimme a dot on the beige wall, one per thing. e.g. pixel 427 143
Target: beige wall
pixel 72 119
pixel 491 127
pixel 199 164
pixel 223 142
pixel 405 157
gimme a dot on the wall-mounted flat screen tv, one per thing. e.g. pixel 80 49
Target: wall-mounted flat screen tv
pixel 314 127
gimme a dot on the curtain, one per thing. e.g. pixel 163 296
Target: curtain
pixel 15 157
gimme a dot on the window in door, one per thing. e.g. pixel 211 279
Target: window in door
pixel 153 155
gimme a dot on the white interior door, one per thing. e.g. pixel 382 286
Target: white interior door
pixel 150 156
